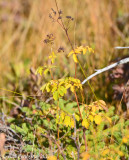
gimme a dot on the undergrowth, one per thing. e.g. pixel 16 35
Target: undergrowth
pixel 65 125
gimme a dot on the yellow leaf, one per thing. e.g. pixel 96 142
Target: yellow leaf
pixel 72 88
pixel 52 57
pixel 125 140
pixel 70 53
pixel 46 71
pixel 90 50
pixel 91 118
pixel 106 151
pixel 98 119
pixel 120 153
pixel 67 86
pixel 84 50
pixel 109 119
pixel 62 115
pixel 94 109
pixel 93 113
pixel 51 158
pixel 72 123
pixel 78 50
pixel 77 117
pixel 75 58
pixel 67 121
pixel 57 118
pixel 47 87
pixel 85 123
pixel 85 156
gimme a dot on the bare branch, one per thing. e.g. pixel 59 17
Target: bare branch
pixel 121 47
pixel 126 60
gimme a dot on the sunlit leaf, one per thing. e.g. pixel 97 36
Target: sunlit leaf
pixel 106 151
pixel 46 71
pixel 85 123
pixel 70 53
pixel 62 115
pixel 51 158
pixel 84 50
pixel 43 88
pixel 85 156
pixel 55 95
pixel 75 58
pixel 77 117
pixel 91 118
pixel 67 120
pixel 72 123
pixel 98 119
pixel 125 140
pixel 39 70
pixel 48 87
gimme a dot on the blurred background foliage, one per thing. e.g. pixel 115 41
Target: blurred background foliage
pixel 24 24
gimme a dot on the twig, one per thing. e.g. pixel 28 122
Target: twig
pixel 121 47
pixel 126 60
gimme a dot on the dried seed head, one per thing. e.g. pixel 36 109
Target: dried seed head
pixel 60 12
pixel 54 12
pixel 50 39
pixel 59 17
pixel 69 18
pixel 61 49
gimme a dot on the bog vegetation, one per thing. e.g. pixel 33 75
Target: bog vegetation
pixel 46 52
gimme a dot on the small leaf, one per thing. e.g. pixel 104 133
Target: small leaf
pixel 47 87
pixel 91 118
pixel 70 53
pixel 39 70
pixel 54 88
pixel 85 156
pixel 55 95
pixel 120 153
pixel 125 140
pixel 62 115
pixel 72 123
pixel 90 50
pixel 98 119
pixel 51 158
pixel 77 117
pixel 85 123
pixel 75 58
pixel 106 151
pixel 46 71
pixel 84 50
pixel 67 121
pixel 72 88
pixel 43 88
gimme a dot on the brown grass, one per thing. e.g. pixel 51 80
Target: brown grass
pixel 25 23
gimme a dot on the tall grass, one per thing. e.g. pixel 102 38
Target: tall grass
pixel 25 23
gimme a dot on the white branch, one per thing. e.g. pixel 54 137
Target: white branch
pixel 121 47
pixel 126 60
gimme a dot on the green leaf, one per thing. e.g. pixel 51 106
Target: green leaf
pixel 24 126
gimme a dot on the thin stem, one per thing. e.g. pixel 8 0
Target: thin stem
pixel 58 134
pixel 78 105
pixel 84 129
pixel 66 32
